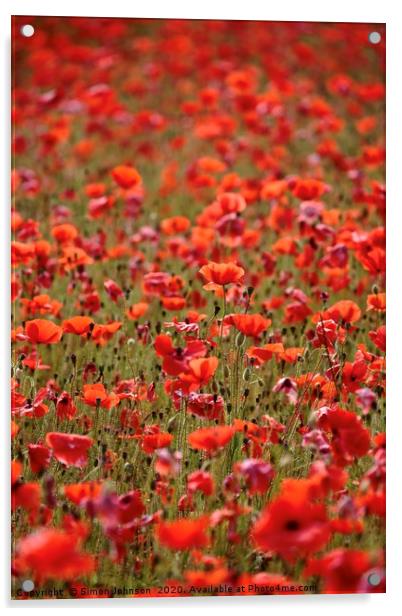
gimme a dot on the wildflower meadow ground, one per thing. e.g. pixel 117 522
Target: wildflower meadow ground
pixel 198 287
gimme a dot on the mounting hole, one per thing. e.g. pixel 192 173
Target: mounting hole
pixel 374 38
pixel 374 579
pixel 28 585
pixel 27 30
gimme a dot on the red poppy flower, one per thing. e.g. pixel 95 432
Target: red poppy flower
pixel 14 429
pixel 101 334
pixel 374 261
pixel 200 481
pixel 162 283
pixel 291 525
pixel 183 534
pixel 258 474
pixel 175 225
pixel 202 370
pixel 285 246
pixel 73 258
pixel 377 302
pixel 16 471
pixel 78 325
pixel 65 233
pixel 309 189
pixel 205 406
pixel 379 337
pixel 345 311
pixel 28 497
pixel 39 457
pixel 353 374
pixel 177 360
pixel 266 352
pixel 95 394
pixel 130 506
pixel 221 274
pixel 288 387
pixel 126 177
pixel 65 407
pixel 137 310
pixel 41 331
pixel 295 312
pixel 167 463
pixel 157 440
pixel 52 554
pixel 42 304
pixel 79 493
pixel 350 439
pixel 70 449
pixel 291 355
pixel 346 571
pixel 272 189
pixel 248 324
pixel 113 290
pixel 173 303
pixel 211 439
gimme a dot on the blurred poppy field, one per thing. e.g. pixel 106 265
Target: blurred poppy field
pixel 198 320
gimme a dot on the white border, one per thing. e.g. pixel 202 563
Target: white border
pixel 286 10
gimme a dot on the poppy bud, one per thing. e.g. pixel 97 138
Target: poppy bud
pixel 128 468
pixel 240 339
pixel 172 423
pixel 247 374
